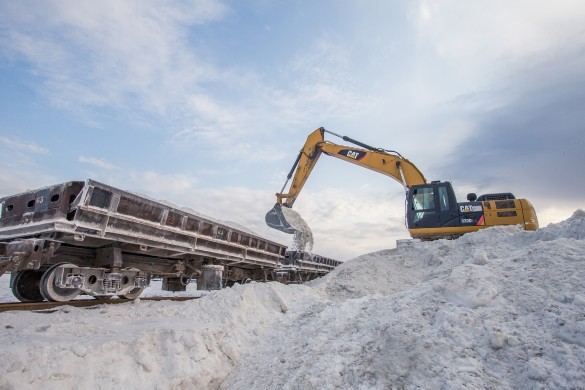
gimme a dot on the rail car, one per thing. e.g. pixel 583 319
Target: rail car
pixel 86 237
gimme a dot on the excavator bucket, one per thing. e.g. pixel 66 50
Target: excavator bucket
pixel 275 219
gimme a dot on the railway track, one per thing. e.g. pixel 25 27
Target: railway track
pixel 49 307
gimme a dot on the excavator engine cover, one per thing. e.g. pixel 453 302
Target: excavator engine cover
pixel 275 219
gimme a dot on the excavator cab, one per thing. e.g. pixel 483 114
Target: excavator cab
pixel 431 206
pixel 433 211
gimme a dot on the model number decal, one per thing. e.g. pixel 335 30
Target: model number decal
pixel 470 208
pixel 353 154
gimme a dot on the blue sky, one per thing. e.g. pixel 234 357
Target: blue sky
pixel 206 103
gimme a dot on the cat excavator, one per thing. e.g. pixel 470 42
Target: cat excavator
pixel 432 210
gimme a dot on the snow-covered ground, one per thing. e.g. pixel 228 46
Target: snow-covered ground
pixel 500 309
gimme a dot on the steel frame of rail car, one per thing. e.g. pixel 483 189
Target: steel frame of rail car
pixel 91 238
pixel 301 266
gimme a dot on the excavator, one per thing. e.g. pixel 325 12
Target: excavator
pixel 432 210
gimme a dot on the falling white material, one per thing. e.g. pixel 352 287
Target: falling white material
pixel 500 308
pixel 303 237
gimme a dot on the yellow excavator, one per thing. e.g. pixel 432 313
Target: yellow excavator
pixel 432 211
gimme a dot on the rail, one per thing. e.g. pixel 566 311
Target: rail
pixel 49 307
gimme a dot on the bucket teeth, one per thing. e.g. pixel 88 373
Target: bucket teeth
pixel 276 220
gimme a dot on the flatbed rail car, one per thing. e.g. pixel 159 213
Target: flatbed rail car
pixel 91 238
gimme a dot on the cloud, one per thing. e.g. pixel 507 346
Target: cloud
pixel 119 55
pixel 24 146
pixel 347 223
pixel 14 182
pixel 140 61
pixel 511 79
pixel 19 168
pixel 325 83
pixel 311 89
pixel 463 49
pixel 163 186
pixel 536 140
pixel 495 32
pixel 97 162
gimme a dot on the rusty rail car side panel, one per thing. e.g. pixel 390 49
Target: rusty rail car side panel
pixel 91 224
pixel 151 227
pixel 93 214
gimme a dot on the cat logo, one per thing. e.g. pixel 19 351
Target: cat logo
pixel 353 154
pixel 470 208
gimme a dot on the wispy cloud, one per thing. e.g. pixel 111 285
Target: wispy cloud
pixel 138 59
pixel 120 55
pixel 520 95
pixel 513 84
pixel 313 88
pixel 496 36
pixel 96 162
pixel 365 221
pixel 535 140
pixel 163 184
pixel 323 83
pixel 172 187
pixel 25 146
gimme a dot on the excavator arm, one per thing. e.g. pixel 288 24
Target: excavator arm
pixel 302 168
pixel 386 162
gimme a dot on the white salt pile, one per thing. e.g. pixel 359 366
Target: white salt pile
pixel 501 308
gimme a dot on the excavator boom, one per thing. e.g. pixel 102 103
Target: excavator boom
pixel 383 161
pixel 386 162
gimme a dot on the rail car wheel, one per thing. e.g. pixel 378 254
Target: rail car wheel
pixel 53 293
pixel 132 294
pixel 25 286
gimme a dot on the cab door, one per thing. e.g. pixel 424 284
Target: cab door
pixel 447 205
pixel 422 207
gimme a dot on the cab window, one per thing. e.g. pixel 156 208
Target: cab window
pixel 423 202
pixel 443 198
pixel 423 199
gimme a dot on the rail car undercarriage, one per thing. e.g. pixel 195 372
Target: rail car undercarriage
pixel 90 238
